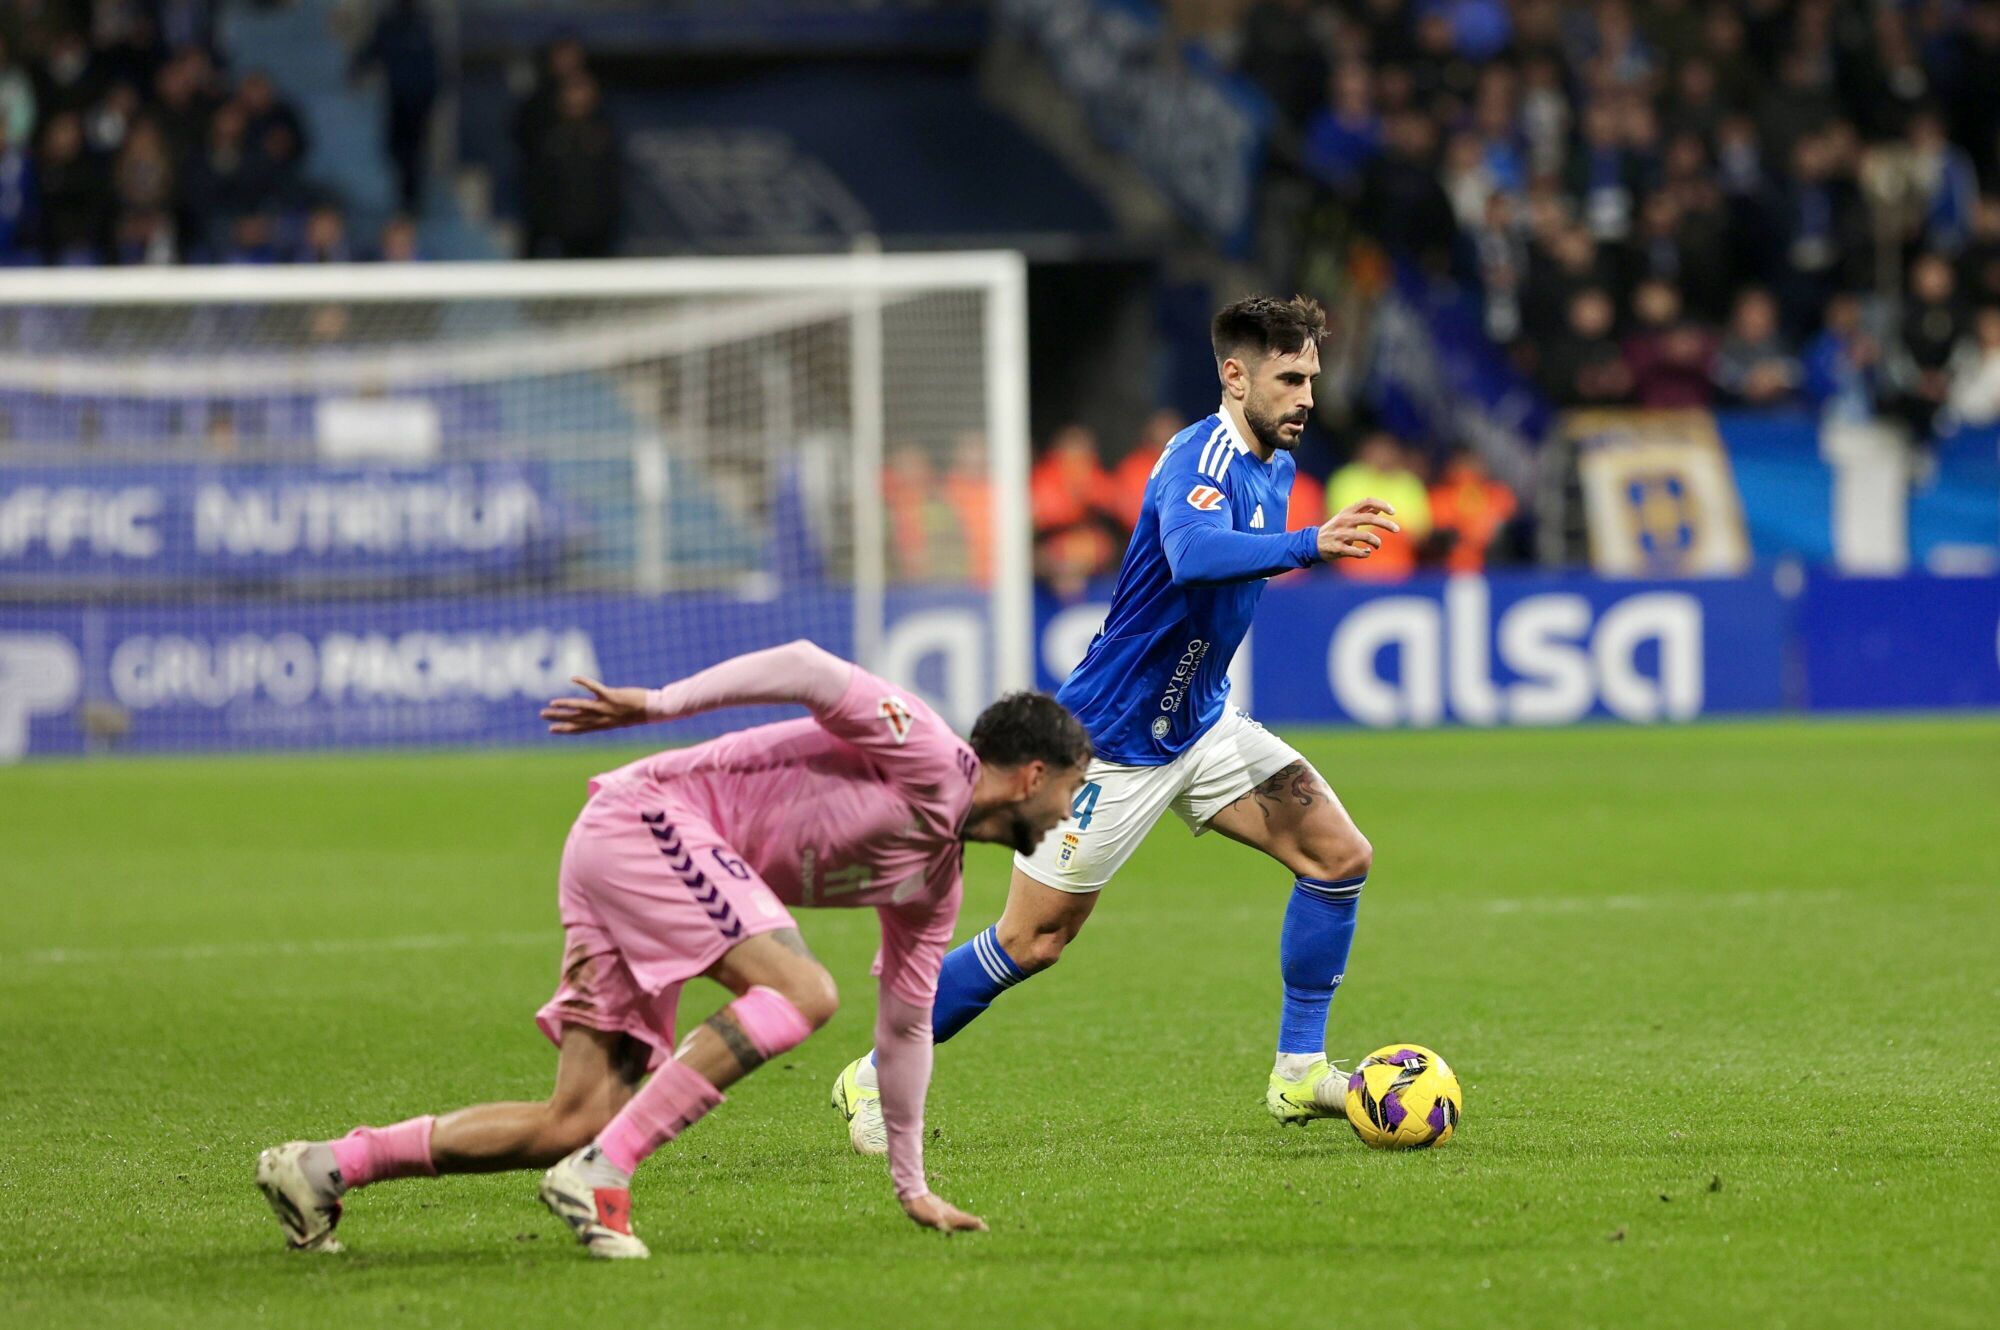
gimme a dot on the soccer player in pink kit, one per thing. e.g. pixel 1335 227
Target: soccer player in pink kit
pixel 682 864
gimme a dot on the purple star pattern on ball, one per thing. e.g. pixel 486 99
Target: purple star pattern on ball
pixel 1436 1116
pixel 1402 1056
pixel 1356 1081
pixel 1393 1111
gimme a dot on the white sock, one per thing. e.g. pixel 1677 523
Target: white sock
pixel 866 1076
pixel 1293 1066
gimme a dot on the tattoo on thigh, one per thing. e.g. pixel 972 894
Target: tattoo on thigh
pixel 793 941
pixel 730 1033
pixel 1297 785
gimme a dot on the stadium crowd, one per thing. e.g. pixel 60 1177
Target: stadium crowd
pixel 1455 516
pixel 124 138
pixel 1671 204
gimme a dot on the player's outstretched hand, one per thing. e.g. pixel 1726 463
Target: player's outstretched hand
pixel 608 709
pixel 1346 534
pixel 942 1215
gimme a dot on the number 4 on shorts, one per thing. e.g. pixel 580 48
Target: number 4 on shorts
pixel 1085 805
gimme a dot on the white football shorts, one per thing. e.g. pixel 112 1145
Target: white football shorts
pixel 1118 805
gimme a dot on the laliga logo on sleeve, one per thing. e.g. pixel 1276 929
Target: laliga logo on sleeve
pixel 897 713
pixel 1204 498
pixel 40 675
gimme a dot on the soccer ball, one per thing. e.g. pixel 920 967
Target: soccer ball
pixel 1403 1097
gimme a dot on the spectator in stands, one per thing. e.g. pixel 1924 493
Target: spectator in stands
pixel 920 521
pixel 264 109
pixel 107 124
pixel 75 196
pixel 1975 384
pixel 1290 71
pixel 17 97
pixel 560 61
pixel 274 172
pixel 1402 201
pixel 1560 268
pixel 1947 184
pixel 252 239
pixel 1345 135
pixel 69 83
pixel 1670 358
pixel 968 489
pixel 1501 247
pixel 1381 470
pixel 1979 265
pixel 1128 481
pixel 1933 327
pixel 1842 365
pixel 1583 367
pixel 1972 88
pixel 1469 509
pixel 129 47
pixel 1307 507
pixel 219 184
pixel 325 237
pixel 145 236
pixel 184 99
pixel 1077 531
pixel 573 208
pixel 17 198
pixel 403 48
pixel 1753 366
pixel 143 178
pixel 1817 227
pixel 398 242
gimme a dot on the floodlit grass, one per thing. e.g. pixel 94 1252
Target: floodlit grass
pixel 1723 1000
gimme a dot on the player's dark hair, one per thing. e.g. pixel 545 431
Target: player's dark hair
pixel 1265 325
pixel 1030 727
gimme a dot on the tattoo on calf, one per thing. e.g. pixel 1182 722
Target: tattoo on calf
pixel 730 1033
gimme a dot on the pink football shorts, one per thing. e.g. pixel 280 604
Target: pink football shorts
pixel 651 896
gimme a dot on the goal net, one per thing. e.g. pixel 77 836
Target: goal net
pixel 300 508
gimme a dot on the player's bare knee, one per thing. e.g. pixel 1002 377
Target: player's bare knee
pixel 810 988
pixel 1336 858
pixel 571 1126
pixel 1038 948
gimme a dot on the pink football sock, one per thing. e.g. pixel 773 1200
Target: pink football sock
pixel 774 1025
pixel 675 1099
pixel 376 1154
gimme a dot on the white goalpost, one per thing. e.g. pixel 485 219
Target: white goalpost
pixel 301 507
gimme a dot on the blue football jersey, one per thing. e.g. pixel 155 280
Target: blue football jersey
pixel 1211 530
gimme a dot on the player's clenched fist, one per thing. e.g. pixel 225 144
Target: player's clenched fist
pixel 942 1215
pixel 1346 534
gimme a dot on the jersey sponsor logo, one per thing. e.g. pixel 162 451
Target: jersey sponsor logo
pixel 1257 519
pixel 1204 498
pixel 1176 690
pixel 897 712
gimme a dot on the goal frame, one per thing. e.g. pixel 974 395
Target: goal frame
pixel 1000 276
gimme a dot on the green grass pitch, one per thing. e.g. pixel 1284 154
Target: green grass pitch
pixel 1722 999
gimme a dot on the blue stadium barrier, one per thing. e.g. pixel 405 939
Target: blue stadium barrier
pixel 1513 650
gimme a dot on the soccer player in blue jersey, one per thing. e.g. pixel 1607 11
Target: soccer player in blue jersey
pixel 1153 692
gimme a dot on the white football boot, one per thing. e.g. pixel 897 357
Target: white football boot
pixel 861 1105
pixel 594 1197
pixel 304 1189
pixel 1320 1093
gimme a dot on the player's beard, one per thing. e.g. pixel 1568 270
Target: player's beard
pixel 1021 834
pixel 1265 424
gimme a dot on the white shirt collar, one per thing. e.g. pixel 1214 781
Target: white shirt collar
pixel 1229 429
